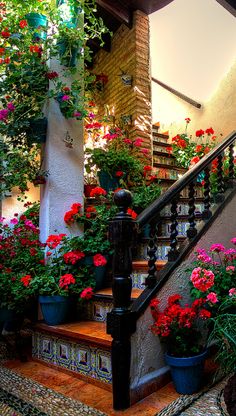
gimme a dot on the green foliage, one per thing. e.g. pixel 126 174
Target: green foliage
pixel 144 195
pixel 20 166
pixel 223 335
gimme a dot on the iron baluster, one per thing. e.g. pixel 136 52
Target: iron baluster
pixel 191 232
pixel 231 165
pixel 220 180
pixel 206 214
pixel 152 254
pixel 173 252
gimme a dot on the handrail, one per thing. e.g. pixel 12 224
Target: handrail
pixel 177 93
pixel 150 212
pixel 122 320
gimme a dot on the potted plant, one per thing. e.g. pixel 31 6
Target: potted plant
pixel 64 279
pixel 21 166
pixel 178 327
pixel 118 160
pixel 94 243
pixel 21 258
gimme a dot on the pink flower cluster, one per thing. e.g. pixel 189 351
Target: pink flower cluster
pixel 202 279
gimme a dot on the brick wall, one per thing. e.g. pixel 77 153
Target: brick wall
pixel 129 53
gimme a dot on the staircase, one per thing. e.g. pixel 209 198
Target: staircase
pixel 84 348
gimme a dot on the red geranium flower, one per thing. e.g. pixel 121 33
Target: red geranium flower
pixel 26 280
pixel 199 133
pixel 99 260
pixel 98 192
pixel 119 173
pixel 66 280
pixel 23 23
pixel 87 293
pixel 209 131
pixel 132 213
pixel 73 256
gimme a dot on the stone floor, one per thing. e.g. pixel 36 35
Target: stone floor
pixel 89 394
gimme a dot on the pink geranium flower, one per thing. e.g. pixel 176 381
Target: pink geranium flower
pixel 212 297
pixel 232 291
pixel 217 248
pixel 87 293
pixel 233 240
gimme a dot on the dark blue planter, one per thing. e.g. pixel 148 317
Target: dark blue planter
pixel 35 21
pixel 187 373
pixel 108 182
pixel 55 309
pixel 99 272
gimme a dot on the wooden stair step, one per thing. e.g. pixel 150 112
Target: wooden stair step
pixel 91 332
pixel 107 292
pixel 166 166
pixel 161 144
pixel 142 265
pixel 160 135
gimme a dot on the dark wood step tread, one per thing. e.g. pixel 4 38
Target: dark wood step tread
pixel 108 292
pixel 166 166
pixel 161 144
pixel 164 154
pixel 142 265
pixel 160 135
pixel 89 331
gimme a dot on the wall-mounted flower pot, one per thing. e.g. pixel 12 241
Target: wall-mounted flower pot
pixel 126 79
pixel 67 59
pixel 37 131
pixel 99 271
pixel 37 21
pixel 108 182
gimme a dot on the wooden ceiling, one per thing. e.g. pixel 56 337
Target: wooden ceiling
pixel 116 12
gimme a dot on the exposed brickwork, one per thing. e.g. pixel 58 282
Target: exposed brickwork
pixel 129 53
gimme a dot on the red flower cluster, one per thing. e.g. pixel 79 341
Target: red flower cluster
pixel 66 280
pixel 26 280
pixel 179 141
pixel 54 240
pixel 52 75
pixel 97 192
pixel 90 212
pixel 87 293
pixel 73 256
pixel 199 133
pixel 69 216
pixel 99 260
pixel 23 23
pixel 132 213
pixel 175 317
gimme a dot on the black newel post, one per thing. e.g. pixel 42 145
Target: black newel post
pixel 120 321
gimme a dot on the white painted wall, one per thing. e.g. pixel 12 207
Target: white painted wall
pixel 192 47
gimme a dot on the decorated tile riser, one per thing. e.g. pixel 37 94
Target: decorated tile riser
pixel 162 251
pixel 138 279
pixel 81 358
pixel 98 310
pixel 182 228
pixel 163 159
pixel 182 209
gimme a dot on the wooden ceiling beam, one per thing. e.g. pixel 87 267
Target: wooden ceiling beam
pixel 122 14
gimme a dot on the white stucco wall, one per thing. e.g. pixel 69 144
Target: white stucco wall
pixel 193 50
pixel 147 353
pixel 11 205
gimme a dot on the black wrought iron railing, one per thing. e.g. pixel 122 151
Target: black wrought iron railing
pixel 121 321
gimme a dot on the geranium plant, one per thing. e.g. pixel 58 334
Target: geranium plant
pixel 118 155
pixel 213 278
pixel 64 274
pixel 188 150
pixel 21 258
pixel 178 325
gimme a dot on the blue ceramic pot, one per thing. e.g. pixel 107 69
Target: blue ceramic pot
pixel 99 272
pixel 55 309
pixel 187 373
pixel 35 21
pixel 108 182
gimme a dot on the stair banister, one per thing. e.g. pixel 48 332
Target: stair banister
pixel 152 211
pixel 122 319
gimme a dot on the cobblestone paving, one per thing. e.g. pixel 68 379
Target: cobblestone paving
pixel 206 403
pixel 20 396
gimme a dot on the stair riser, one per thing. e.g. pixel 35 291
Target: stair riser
pixel 91 362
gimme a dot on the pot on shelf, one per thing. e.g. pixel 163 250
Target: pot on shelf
pixel 99 271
